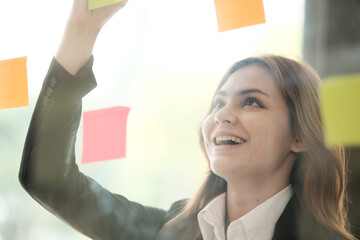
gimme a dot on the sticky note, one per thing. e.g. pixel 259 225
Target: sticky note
pixel 340 109
pixel 93 4
pixel 13 83
pixel 104 134
pixel 233 14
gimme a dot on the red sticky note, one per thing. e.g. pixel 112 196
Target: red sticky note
pixel 13 83
pixel 233 14
pixel 104 134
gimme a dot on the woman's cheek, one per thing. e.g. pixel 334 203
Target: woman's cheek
pixel 206 129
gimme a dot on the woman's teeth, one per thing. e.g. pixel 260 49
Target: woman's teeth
pixel 226 140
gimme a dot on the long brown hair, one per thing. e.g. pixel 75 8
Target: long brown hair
pixel 318 177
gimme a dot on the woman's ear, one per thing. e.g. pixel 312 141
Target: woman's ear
pixel 297 145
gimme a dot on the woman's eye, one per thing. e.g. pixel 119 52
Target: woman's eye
pixel 218 103
pixel 253 103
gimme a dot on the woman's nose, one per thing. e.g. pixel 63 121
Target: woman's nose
pixel 225 115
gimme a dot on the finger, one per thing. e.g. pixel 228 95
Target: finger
pixel 80 6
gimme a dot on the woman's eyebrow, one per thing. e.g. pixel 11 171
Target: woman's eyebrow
pixel 251 90
pixel 243 92
pixel 222 93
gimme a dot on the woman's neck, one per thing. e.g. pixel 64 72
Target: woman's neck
pixel 242 198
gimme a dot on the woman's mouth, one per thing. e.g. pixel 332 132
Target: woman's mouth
pixel 228 140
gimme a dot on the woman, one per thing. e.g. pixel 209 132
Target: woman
pixel 271 175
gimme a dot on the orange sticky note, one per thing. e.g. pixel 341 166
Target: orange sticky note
pixel 13 83
pixel 104 134
pixel 233 14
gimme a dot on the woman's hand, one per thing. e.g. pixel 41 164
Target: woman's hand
pixel 94 18
pixel 81 31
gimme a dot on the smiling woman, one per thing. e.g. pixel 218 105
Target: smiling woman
pixel 250 106
pixel 280 181
pixel 270 174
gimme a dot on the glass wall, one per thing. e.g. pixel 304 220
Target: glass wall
pixel 161 58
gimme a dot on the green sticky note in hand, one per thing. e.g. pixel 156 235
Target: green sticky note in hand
pixel 93 4
pixel 339 101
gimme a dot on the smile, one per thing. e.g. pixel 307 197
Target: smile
pixel 228 140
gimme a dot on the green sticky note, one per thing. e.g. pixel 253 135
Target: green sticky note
pixel 340 109
pixel 93 4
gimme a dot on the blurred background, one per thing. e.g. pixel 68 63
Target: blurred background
pixel 163 59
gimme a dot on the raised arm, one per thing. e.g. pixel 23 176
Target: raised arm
pixel 81 31
pixel 48 171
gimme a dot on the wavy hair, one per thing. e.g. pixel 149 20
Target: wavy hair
pixel 318 177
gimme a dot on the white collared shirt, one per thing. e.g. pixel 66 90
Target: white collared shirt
pixel 258 224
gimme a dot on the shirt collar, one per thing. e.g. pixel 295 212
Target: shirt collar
pixel 259 223
pixel 212 218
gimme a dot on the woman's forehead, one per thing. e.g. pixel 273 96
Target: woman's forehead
pixel 251 77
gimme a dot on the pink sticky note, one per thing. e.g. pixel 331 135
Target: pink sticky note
pixel 104 134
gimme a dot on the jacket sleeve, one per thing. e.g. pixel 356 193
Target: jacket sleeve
pixel 48 171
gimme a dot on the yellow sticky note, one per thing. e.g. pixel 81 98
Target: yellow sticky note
pixel 93 4
pixel 233 14
pixel 13 83
pixel 340 108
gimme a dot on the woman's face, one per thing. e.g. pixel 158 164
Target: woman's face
pixel 248 133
